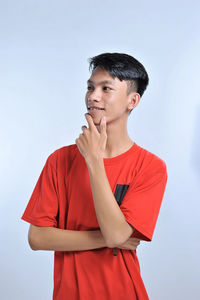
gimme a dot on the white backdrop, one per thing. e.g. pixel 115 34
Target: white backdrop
pixel 44 47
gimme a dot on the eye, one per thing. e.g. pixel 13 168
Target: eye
pixel 89 87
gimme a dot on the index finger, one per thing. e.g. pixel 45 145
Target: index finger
pixel 90 121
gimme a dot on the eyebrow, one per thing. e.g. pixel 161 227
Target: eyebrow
pixel 102 82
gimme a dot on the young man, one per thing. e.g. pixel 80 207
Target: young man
pixel 96 199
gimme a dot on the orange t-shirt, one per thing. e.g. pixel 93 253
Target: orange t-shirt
pixel 62 198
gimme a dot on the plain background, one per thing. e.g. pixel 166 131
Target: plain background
pixel 44 51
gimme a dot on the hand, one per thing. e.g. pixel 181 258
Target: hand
pixel 91 143
pixel 130 244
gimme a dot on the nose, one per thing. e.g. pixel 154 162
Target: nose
pixel 94 95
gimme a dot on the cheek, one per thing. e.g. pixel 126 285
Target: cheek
pixel 115 105
pixel 111 103
pixel 115 109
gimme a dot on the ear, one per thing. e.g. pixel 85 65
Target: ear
pixel 133 100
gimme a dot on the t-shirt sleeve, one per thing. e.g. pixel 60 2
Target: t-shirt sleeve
pixel 142 201
pixel 42 208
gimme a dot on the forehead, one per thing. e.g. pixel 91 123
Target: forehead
pixel 100 77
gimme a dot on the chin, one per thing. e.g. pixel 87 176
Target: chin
pixel 96 120
pixel 96 123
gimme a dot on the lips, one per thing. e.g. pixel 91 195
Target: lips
pixel 94 107
pixel 94 110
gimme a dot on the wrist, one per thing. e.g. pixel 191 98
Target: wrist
pixel 94 163
pixel 98 238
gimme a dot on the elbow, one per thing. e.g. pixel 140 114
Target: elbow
pixel 32 244
pixel 121 238
pixel 110 244
pixel 33 248
pixel 32 240
pixel 114 242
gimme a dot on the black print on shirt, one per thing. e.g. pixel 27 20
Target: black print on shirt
pixel 120 192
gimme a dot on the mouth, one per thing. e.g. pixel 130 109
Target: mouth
pixel 94 108
pixel 95 111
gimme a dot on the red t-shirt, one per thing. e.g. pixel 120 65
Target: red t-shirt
pixel 62 198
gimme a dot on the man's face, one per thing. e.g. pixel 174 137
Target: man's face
pixel 111 96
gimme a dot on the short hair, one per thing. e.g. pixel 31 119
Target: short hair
pixel 124 67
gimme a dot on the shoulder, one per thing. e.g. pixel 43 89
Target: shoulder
pixel 151 161
pixel 151 169
pixel 62 156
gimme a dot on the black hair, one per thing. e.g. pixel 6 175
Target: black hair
pixel 124 67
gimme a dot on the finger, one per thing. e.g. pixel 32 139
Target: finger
pixel 103 125
pixel 135 239
pixel 83 127
pixel 90 121
pixel 137 242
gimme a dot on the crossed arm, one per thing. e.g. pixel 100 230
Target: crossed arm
pixel 114 229
pixel 51 238
pixel 56 239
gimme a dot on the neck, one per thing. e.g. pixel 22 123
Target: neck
pixel 118 140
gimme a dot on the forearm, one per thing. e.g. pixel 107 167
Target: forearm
pixel 56 239
pixel 110 218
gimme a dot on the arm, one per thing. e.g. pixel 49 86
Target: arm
pixel 91 144
pixel 56 239
pixel 114 227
